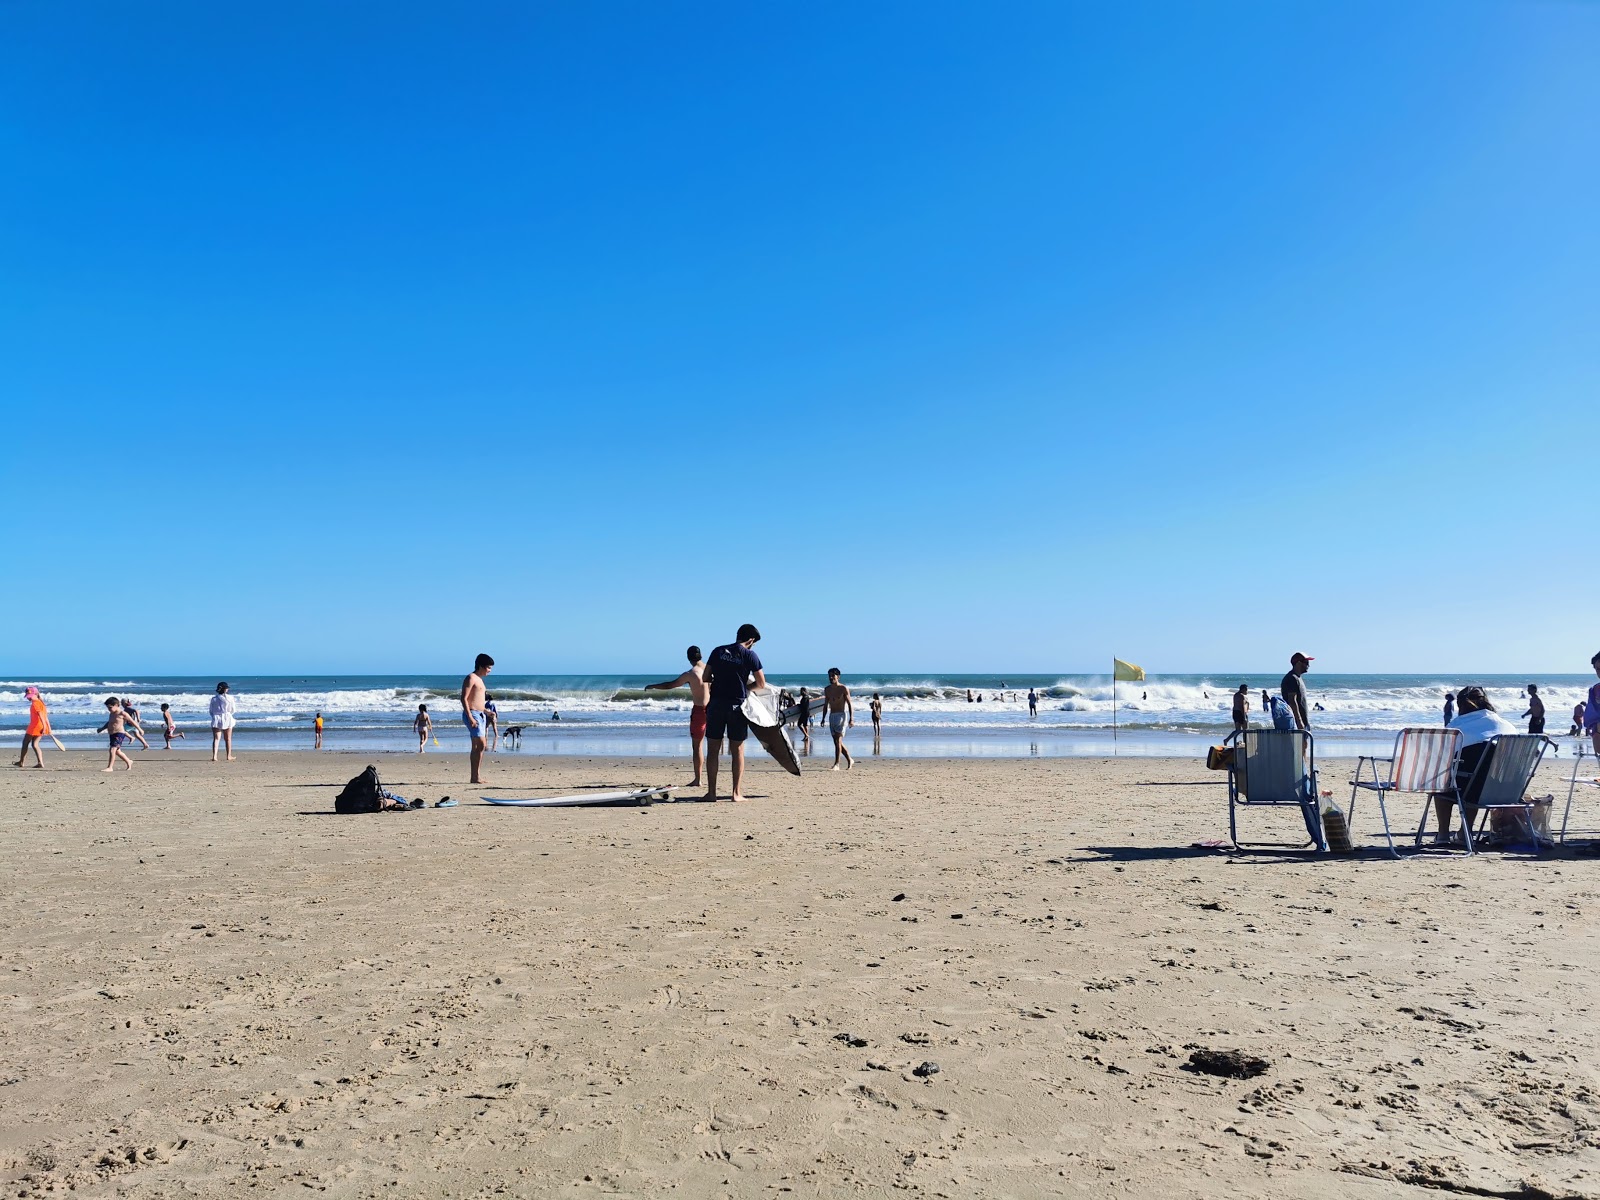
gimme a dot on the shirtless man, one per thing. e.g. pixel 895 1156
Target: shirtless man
pixel 473 692
pixel 1535 713
pixel 839 712
pixel 699 691
pixel 877 715
pixel 1241 707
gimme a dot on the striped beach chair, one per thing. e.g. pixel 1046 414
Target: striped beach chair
pixel 1501 780
pixel 1424 760
pixel 1580 779
pixel 1274 768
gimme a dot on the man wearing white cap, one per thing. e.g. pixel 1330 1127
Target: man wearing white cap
pixel 1294 690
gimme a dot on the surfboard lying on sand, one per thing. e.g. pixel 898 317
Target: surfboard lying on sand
pixel 761 711
pixel 589 800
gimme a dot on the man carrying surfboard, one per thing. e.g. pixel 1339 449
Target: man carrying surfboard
pixel 730 670
pixel 473 696
pixel 700 692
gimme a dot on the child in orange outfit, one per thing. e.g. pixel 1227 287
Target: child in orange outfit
pixel 38 727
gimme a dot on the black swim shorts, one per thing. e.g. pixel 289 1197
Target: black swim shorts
pixel 727 722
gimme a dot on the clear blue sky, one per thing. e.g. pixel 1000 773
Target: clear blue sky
pixel 343 337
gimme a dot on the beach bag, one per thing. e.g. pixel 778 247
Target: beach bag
pixel 361 795
pixel 1219 758
pixel 1282 716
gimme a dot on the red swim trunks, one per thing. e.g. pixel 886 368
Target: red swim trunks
pixel 697 722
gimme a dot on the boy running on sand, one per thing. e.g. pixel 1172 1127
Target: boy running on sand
pixel 169 728
pixel 132 716
pixel 423 725
pixel 699 692
pixel 113 729
pixel 474 694
pixel 837 710
pixel 38 728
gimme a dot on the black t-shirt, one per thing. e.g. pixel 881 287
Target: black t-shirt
pixel 1294 695
pixel 729 668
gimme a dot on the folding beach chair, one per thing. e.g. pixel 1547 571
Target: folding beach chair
pixel 1424 760
pixel 1274 769
pixel 1579 780
pixel 1501 780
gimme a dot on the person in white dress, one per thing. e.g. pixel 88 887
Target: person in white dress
pixel 222 710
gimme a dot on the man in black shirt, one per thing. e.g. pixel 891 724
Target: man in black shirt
pixel 730 668
pixel 1294 690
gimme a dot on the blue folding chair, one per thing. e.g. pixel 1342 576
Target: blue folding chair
pixel 1274 768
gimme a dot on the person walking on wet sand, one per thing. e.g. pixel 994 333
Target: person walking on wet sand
pixel 131 715
pixel 422 726
pixel 730 670
pixel 1294 690
pixel 493 715
pixel 169 728
pixel 38 728
pixel 222 710
pixel 474 693
pixel 876 709
pixel 1535 713
pixel 1241 707
pixel 699 692
pixel 839 711
pixel 113 729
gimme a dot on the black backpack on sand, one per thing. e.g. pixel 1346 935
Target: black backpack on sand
pixel 361 795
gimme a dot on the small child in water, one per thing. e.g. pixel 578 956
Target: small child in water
pixel 115 721
pixel 423 725
pixel 169 729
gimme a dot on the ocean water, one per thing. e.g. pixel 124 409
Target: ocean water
pixel 924 715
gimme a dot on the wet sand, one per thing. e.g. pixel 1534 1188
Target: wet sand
pixel 210 986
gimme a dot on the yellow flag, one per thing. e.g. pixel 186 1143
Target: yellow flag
pixel 1126 672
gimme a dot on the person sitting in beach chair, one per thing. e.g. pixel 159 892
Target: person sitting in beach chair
pixel 1479 724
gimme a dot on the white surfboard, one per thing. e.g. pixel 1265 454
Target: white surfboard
pixel 589 800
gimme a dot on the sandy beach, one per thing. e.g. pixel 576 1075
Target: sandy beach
pixel 211 986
